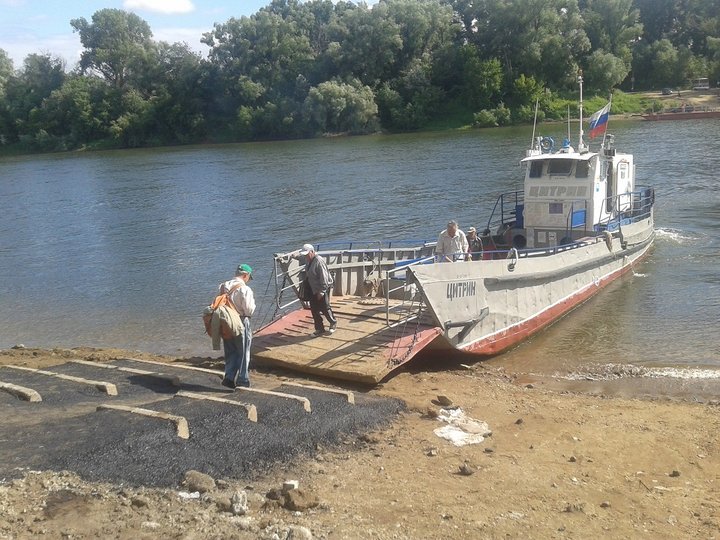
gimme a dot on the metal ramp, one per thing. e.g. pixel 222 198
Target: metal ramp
pixel 364 348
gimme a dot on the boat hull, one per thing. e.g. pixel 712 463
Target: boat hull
pixel 681 115
pixel 486 307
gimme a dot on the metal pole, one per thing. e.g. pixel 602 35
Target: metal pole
pixel 581 143
pixel 387 297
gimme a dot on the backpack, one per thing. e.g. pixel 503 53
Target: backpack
pixel 222 299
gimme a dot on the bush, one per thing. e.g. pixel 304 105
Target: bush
pixel 502 115
pixel 484 118
pixel 526 115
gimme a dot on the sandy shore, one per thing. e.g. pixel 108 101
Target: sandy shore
pixel 558 465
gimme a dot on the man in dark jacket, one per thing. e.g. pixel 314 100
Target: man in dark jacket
pixel 475 246
pixel 320 280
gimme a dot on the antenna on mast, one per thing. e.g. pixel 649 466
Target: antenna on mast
pixel 581 142
pixel 532 142
pixel 568 122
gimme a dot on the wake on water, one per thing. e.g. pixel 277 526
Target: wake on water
pixel 674 235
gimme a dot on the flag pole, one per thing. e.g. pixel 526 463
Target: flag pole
pixel 608 120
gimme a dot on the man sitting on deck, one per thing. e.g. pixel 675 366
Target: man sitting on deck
pixel 452 244
pixel 320 280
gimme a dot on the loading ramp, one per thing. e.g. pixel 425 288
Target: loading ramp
pixel 364 349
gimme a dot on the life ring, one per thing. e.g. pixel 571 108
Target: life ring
pixel 608 240
pixel 547 144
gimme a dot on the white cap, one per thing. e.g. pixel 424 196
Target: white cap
pixel 307 248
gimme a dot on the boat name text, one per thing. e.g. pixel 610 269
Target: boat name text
pixel 557 191
pixel 461 289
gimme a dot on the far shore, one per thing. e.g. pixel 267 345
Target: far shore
pixel 704 98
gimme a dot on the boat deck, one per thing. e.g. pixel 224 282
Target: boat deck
pixel 363 349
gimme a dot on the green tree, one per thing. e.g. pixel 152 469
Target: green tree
pixel 657 64
pixel 539 38
pixel 80 112
pixel 604 71
pixel 365 44
pixel 337 107
pixel 118 45
pixel 612 26
pixel 25 92
pixel 6 70
pixel 178 96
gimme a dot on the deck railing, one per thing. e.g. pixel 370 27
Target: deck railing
pixel 627 208
pixel 408 295
pixel 508 207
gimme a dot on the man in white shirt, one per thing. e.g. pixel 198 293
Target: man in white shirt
pixel 237 349
pixel 452 245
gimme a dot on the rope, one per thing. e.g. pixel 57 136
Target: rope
pixel 400 331
pixel 260 322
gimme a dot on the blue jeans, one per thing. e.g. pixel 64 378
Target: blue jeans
pixel 237 355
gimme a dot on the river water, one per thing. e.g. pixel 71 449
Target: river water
pixel 125 248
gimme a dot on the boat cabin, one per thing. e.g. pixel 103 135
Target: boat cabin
pixel 569 194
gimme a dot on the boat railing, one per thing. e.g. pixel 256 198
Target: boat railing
pixel 626 208
pixel 576 217
pixel 508 208
pixel 409 293
pixel 343 257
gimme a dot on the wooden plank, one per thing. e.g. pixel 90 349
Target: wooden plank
pixel 24 393
pixel 305 401
pixel 348 395
pixel 363 349
pixel 109 388
pixel 172 379
pixel 249 407
pixel 181 426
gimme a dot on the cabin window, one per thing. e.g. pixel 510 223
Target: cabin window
pixel 560 166
pixel 582 169
pixel 536 168
pixel 556 208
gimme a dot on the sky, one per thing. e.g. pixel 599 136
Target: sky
pixel 43 26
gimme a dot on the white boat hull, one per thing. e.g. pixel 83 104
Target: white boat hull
pixel 488 306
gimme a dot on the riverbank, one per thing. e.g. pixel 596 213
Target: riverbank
pixel 557 465
pixel 455 117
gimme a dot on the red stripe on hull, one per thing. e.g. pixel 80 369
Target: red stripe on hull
pixel 507 338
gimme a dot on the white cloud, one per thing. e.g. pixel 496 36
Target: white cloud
pixel 66 46
pixel 160 6
pixel 191 36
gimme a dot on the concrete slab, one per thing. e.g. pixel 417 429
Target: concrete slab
pixel 347 394
pixel 24 393
pixel 109 388
pixel 176 365
pixel 303 400
pixel 181 425
pixel 170 379
pixel 249 407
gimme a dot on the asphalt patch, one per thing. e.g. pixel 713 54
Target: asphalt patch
pixel 124 448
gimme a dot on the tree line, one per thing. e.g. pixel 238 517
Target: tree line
pixel 300 69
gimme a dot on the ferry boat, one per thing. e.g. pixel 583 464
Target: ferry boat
pixel 686 112
pixel 579 223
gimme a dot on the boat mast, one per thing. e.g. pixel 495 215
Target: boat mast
pixel 581 143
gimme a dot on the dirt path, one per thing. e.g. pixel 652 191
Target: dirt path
pixel 558 465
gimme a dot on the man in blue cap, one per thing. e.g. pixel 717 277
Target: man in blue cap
pixel 237 349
